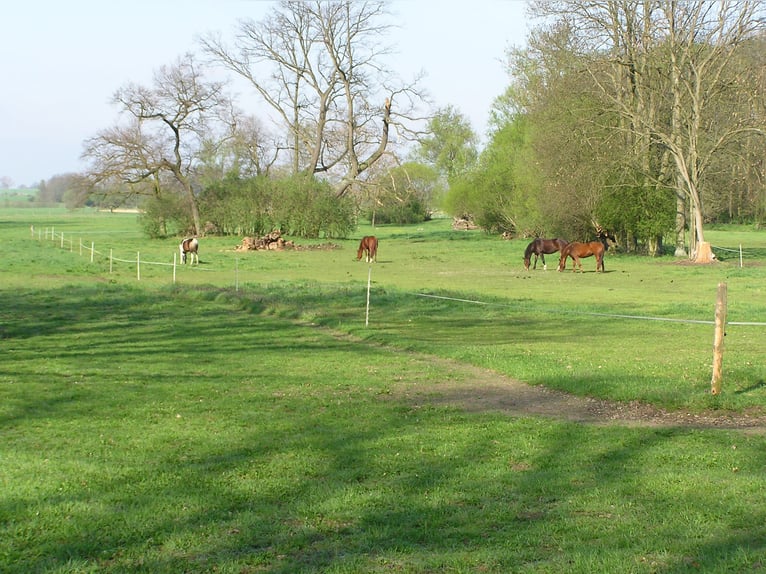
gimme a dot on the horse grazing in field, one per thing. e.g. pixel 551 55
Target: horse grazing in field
pixel 541 247
pixel 190 245
pixel 369 247
pixel 576 250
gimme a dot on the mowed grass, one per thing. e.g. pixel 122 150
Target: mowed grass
pixel 228 423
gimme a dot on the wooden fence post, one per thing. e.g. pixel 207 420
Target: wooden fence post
pixel 720 333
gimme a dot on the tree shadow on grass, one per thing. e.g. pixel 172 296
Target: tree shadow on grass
pixel 304 460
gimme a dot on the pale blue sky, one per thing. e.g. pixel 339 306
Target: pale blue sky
pixel 61 61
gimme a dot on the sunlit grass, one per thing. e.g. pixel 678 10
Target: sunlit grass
pixel 260 426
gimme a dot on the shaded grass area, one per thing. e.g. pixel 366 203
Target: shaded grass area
pixel 580 349
pixel 201 431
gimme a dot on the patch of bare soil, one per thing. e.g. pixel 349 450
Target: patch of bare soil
pixel 489 391
pixel 476 389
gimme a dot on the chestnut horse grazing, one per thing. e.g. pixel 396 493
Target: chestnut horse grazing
pixel 368 246
pixel 541 247
pixel 189 245
pixel 577 250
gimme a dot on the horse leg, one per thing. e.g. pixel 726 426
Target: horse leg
pixel 542 256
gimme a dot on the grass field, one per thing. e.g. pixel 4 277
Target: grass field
pixel 245 419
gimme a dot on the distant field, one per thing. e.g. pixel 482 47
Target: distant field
pixel 13 197
pixel 240 416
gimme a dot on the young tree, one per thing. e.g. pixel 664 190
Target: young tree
pixel 319 66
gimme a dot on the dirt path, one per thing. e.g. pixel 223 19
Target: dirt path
pixel 489 391
pixel 483 390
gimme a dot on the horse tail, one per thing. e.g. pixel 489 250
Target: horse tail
pixel 373 248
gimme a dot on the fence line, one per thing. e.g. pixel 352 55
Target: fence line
pixel 612 315
pixel 112 259
pixel 138 262
pixel 740 251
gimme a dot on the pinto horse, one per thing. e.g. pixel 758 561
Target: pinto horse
pixel 189 245
pixel 540 247
pixel 368 246
pixel 576 250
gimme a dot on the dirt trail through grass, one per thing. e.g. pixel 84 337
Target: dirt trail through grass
pixel 488 391
pixel 477 389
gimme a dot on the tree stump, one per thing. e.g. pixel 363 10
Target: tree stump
pixel 704 253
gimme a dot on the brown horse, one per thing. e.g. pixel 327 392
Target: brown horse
pixel 541 247
pixel 189 245
pixel 369 246
pixel 576 250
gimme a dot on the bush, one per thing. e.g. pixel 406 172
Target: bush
pixel 306 207
pixel 411 211
pixel 238 206
pixel 164 216
pixel 298 205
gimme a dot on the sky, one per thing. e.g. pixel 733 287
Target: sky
pixel 62 61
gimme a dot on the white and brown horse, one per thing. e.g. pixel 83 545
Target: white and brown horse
pixel 368 246
pixel 190 245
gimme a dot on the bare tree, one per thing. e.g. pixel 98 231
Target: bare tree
pixel 318 66
pixel 168 123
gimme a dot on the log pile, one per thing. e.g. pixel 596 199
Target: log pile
pixel 463 224
pixel 270 242
pixel 275 242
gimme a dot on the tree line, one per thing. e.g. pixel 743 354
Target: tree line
pixel 644 117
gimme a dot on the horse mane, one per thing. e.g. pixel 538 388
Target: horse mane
pixel 530 248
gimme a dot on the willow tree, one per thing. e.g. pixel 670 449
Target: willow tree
pixel 319 66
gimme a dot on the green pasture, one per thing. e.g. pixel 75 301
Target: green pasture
pixel 244 418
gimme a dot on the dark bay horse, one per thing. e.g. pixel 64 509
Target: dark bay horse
pixel 369 246
pixel 576 250
pixel 189 245
pixel 541 247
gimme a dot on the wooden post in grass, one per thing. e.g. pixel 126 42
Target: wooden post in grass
pixel 367 313
pixel 720 333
